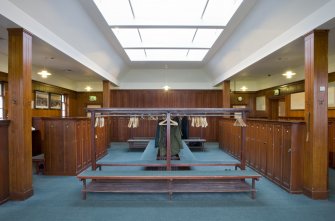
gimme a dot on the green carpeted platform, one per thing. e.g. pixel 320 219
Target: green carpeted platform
pixel 59 198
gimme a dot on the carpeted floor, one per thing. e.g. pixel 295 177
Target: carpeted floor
pixel 59 198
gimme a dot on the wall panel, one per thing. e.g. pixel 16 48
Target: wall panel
pixel 163 99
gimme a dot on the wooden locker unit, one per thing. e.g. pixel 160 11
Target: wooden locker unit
pixel 331 143
pixel 277 153
pixel 269 151
pixel 4 161
pixel 263 147
pixel 66 144
pixel 274 149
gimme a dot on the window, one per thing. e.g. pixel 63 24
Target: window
pixel 1 101
pixel 64 107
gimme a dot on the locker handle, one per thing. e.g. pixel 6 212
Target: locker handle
pixel 289 150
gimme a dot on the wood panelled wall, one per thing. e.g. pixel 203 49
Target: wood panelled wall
pixel 71 95
pixel 171 98
pixel 39 86
pixel 163 99
pixel 83 101
pixel 249 99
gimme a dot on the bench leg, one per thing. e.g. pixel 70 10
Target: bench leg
pixel 84 189
pixel 253 191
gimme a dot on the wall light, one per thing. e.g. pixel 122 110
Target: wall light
pixel 244 88
pixel 166 87
pixel 88 88
pixel 289 74
pixel 44 73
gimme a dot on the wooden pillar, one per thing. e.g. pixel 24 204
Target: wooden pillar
pixel 315 179
pixel 19 113
pixel 106 102
pixel 106 94
pixel 226 94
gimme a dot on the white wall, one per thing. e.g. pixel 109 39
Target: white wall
pixel 3 63
pixel 157 78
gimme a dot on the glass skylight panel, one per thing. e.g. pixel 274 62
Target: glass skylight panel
pixel 168 11
pixel 136 54
pixel 114 11
pixel 221 10
pixel 206 37
pixel 167 37
pixel 128 37
pixel 196 54
pixel 167 30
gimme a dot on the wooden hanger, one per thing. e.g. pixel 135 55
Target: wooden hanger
pixel 172 122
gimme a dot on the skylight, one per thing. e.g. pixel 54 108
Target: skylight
pixel 167 30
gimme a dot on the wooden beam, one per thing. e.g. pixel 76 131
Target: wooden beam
pixel 315 179
pixel 19 113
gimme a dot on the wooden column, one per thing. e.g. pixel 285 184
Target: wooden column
pixel 106 102
pixel 19 113
pixel 226 94
pixel 106 94
pixel 315 179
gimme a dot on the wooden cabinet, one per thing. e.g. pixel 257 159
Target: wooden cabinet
pixel 286 156
pixel 269 151
pixel 66 144
pixel 277 153
pixel 263 147
pixel 331 143
pixel 273 148
pixel 4 169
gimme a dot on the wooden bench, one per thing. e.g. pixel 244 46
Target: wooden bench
pixel 195 140
pixel 138 142
pixel 174 163
pixel 168 181
pixel 39 162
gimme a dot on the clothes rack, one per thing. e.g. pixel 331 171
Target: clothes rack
pixel 168 113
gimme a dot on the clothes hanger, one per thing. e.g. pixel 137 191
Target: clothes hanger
pixel 172 122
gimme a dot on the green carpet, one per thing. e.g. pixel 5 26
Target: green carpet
pixel 59 198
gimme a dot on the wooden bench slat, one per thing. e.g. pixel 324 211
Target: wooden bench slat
pixel 126 186
pixel 193 174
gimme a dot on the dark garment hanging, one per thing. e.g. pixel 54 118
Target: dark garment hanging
pixel 175 140
pixel 157 135
pixel 184 127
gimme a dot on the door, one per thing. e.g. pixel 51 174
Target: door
pixel 286 164
pixel 277 153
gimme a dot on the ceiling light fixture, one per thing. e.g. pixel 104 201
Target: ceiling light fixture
pixel 289 74
pixel 44 73
pixel 166 87
pixel 88 88
pixel 244 88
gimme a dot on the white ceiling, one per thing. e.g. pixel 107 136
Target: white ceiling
pixel 264 38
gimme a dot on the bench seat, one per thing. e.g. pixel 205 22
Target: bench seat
pixel 138 142
pixel 174 163
pixel 195 140
pixel 169 181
